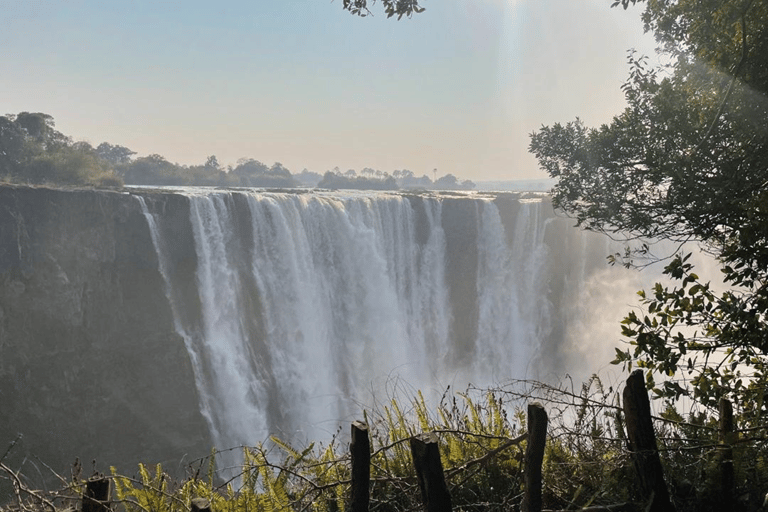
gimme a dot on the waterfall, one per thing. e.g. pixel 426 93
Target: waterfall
pixel 190 342
pixel 310 305
pixel 198 317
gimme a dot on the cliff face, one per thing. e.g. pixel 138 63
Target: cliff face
pixel 90 363
pixel 152 325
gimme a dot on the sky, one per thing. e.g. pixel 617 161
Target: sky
pixel 457 88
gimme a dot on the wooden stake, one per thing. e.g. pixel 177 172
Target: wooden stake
pixel 534 457
pixel 96 498
pixel 642 444
pixel 429 471
pixel 360 451
pixel 200 505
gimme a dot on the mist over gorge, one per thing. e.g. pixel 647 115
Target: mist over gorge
pixel 150 325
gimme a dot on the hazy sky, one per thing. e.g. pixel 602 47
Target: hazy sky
pixel 458 87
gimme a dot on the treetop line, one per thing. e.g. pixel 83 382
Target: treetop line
pixel 33 151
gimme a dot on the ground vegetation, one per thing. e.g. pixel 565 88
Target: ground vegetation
pixel 482 439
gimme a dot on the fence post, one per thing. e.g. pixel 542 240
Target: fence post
pixel 642 444
pixel 200 505
pixel 96 497
pixel 360 451
pixel 429 471
pixel 727 481
pixel 534 457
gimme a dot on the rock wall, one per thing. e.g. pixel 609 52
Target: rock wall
pixel 90 363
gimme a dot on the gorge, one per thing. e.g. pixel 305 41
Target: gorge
pixel 152 324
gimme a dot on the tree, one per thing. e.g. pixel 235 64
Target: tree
pixel 41 128
pixel 212 164
pixel 115 155
pixel 279 169
pixel 249 168
pixel 69 165
pixel 447 182
pixel 397 8
pixel 153 170
pixel 308 178
pixel 12 147
pixel 32 151
pixel 687 160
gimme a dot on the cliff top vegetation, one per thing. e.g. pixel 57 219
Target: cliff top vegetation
pixel 32 151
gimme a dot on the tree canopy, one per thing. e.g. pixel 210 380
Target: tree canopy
pixel 687 160
pixel 397 8
pixel 32 151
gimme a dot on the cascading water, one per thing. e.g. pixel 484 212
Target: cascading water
pixel 308 304
pixel 175 319
pixel 510 322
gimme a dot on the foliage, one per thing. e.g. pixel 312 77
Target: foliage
pixel 335 181
pixel 481 457
pixel 252 173
pixel 482 442
pixel 397 8
pixel 32 150
pixel 687 160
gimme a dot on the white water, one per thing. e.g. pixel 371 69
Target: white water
pixel 310 305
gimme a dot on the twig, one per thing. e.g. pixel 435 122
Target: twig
pixel 19 486
pixel 10 447
pixel 488 455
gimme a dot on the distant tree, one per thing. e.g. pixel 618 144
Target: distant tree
pixel 13 147
pixel 249 168
pixel 407 179
pixel 447 182
pixel 83 146
pixel 153 170
pixel 32 151
pixel 212 163
pixel 68 165
pixel 308 178
pixel 335 181
pixel 253 173
pixel 278 169
pixel 115 155
pixel 37 125
pixel 41 129
pixel 209 174
pixel 332 181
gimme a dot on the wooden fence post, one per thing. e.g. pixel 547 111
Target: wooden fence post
pixel 360 452
pixel 96 497
pixel 725 453
pixel 534 457
pixel 429 471
pixel 200 505
pixel 642 444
